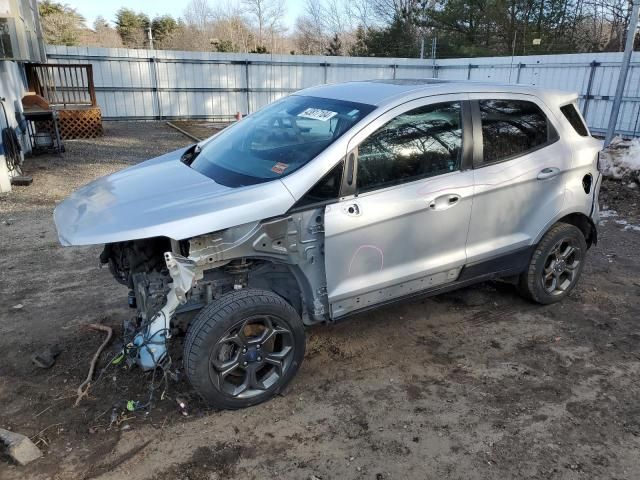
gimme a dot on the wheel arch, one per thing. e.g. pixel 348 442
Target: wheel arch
pixel 288 281
pixel 585 224
pixel 579 220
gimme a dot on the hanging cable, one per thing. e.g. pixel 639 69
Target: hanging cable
pixel 11 144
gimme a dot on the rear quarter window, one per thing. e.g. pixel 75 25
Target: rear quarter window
pixel 570 112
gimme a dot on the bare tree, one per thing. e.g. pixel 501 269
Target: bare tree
pixel 360 12
pixel 102 35
pixel 230 23
pixel 323 20
pixel 268 16
pixel 386 11
pixel 308 38
pixel 198 14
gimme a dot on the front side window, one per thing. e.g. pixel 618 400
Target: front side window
pixel 420 143
pixel 277 140
pixel 510 128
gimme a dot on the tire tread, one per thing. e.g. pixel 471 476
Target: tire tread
pixel 527 282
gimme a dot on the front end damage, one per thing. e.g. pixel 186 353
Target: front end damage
pixel 150 343
pixel 170 280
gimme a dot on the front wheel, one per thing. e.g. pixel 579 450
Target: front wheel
pixel 243 348
pixel 556 265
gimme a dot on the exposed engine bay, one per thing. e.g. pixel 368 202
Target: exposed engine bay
pixel 169 281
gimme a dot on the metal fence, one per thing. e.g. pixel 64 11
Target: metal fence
pixel 161 84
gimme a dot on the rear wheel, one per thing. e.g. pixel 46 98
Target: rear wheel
pixel 556 265
pixel 244 348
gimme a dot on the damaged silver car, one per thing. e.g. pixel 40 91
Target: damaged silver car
pixel 332 201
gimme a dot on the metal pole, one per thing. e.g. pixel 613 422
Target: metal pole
pixel 624 70
pixel 434 49
pixel 422 48
pixel 513 53
pixel 520 65
pixel 246 77
pixel 150 37
pixel 587 96
pixel 154 85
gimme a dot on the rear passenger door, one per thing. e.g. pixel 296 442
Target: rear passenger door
pixel 519 174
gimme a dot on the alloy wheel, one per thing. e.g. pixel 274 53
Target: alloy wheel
pixel 252 356
pixel 561 266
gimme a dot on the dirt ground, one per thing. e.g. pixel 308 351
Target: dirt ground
pixel 477 384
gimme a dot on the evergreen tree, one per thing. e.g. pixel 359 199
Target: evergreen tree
pixel 334 49
pixel 359 47
pixel 399 39
pixel 162 27
pixel 132 27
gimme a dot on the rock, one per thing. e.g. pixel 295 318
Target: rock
pixel 46 358
pixel 19 447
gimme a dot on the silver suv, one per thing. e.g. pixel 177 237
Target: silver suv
pixel 332 201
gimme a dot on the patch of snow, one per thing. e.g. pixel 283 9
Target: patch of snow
pixel 621 222
pixel 635 228
pixel 608 213
pixel 622 160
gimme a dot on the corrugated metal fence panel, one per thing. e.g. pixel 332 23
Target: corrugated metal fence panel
pixel 133 83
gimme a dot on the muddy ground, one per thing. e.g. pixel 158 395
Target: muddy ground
pixel 477 384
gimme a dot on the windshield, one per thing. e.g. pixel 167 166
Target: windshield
pixel 277 140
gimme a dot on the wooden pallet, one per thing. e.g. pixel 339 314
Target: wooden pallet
pixel 81 123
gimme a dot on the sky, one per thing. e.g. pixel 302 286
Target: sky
pixel 90 9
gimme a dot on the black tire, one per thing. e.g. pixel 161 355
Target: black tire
pixel 221 336
pixel 537 282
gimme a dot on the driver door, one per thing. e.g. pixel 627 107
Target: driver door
pixel 404 227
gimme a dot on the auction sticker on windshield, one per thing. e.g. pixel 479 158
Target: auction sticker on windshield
pixel 279 168
pixel 317 114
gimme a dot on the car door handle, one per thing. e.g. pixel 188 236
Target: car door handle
pixel 444 201
pixel 548 172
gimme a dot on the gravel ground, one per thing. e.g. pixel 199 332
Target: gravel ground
pixel 476 384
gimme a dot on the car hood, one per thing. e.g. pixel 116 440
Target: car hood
pixel 162 197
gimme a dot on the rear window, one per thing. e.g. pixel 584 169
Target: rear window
pixel 571 114
pixel 511 128
pixel 277 140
